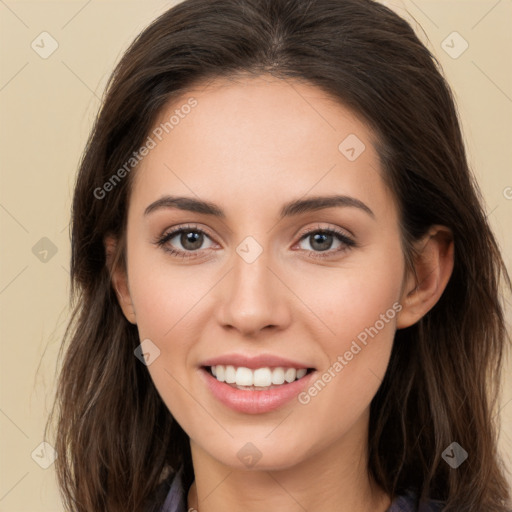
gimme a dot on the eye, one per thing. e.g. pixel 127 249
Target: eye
pixel 191 239
pixel 321 240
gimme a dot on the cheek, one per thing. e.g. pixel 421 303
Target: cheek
pixel 165 294
pixel 349 301
pixel 167 300
pixel 164 305
pixel 358 309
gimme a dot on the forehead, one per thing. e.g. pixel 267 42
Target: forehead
pixel 262 138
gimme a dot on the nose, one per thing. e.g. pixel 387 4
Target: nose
pixel 253 297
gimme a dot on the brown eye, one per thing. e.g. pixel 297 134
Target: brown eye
pixel 322 240
pixel 191 240
pixel 184 240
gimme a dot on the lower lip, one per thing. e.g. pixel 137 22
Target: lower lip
pixel 254 402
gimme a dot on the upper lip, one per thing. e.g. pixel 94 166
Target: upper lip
pixel 254 362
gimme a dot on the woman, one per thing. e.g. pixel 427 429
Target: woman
pixel 287 292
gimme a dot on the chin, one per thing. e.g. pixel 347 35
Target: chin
pixel 258 454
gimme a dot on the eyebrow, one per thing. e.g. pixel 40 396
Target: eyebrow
pixel 291 208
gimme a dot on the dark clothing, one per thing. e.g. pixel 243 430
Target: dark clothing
pixel 176 501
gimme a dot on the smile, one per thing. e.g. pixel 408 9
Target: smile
pixel 258 379
pixel 251 392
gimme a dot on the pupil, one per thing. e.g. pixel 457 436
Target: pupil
pixel 319 238
pixel 191 240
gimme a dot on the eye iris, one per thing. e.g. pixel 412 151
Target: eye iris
pixel 192 237
pixel 321 238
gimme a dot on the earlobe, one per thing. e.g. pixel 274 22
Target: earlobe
pixel 433 265
pixel 119 279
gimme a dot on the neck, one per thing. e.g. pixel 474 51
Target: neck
pixel 334 479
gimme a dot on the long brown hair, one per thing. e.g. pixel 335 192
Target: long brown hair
pixel 117 444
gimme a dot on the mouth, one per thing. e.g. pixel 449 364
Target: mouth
pixel 255 390
pixel 257 379
pixel 257 383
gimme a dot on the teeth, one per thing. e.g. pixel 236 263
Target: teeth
pixel 220 373
pixel 290 374
pixel 278 376
pixel 261 377
pixel 244 377
pixel 230 375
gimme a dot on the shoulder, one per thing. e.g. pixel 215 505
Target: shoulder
pixel 408 502
pixel 176 499
pixel 170 494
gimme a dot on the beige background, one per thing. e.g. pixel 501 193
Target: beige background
pixel 47 107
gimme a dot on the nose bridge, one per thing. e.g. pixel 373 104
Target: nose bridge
pixel 252 297
pixel 251 263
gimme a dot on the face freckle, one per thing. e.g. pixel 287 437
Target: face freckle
pixel 267 276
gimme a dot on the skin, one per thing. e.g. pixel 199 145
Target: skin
pixel 250 146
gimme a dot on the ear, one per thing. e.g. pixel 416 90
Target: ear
pixel 434 265
pixel 119 279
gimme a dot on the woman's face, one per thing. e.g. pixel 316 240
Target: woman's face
pixel 264 278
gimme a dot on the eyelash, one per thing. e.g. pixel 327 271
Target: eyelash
pixel 339 235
